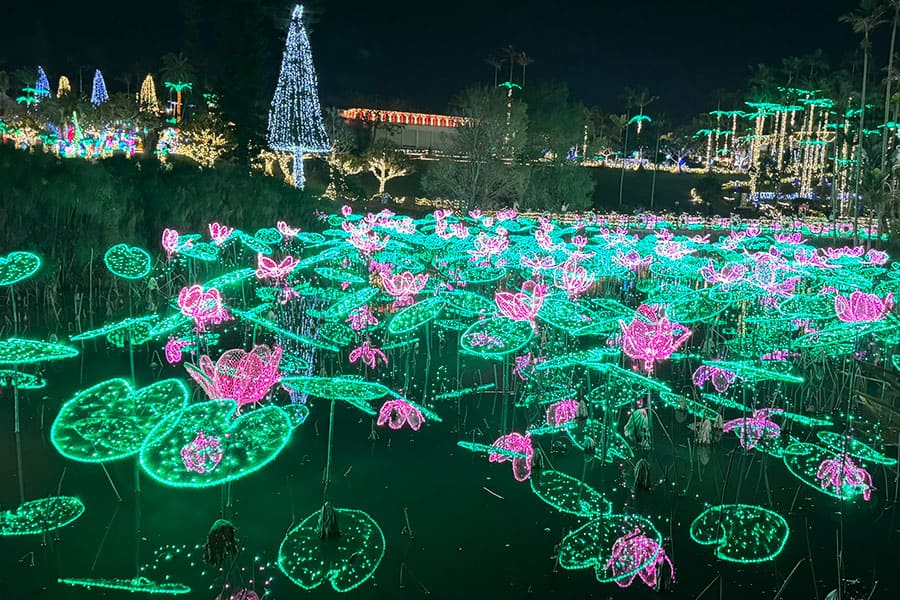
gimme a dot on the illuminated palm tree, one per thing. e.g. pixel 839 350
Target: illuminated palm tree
pixel 178 72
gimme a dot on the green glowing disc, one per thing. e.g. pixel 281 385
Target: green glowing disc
pixel 357 392
pixel 17 351
pixel 741 533
pixel 40 516
pixel 569 495
pixel 128 262
pixel 138 584
pixel 415 316
pixel 496 337
pixel 590 546
pixel 23 381
pixel 18 266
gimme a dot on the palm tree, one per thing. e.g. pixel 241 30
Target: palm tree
pixel 178 71
pixel 524 60
pixel 620 122
pixel 510 54
pixel 791 66
pixel 494 62
pixel 895 4
pixel 866 18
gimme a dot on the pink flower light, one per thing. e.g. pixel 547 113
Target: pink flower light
pixel 173 350
pixel 245 377
pixel 203 306
pixel 170 241
pixel 361 317
pixel 368 355
pixel 751 430
pixel 876 257
pixel 861 307
pixel 845 477
pixel 269 269
pixel 728 274
pixel 286 230
pixel 219 233
pixel 721 378
pixel 523 305
pixel 574 280
pixel 562 412
pixel 632 550
pixel 632 260
pixel 403 286
pixel 397 413
pixel 515 442
pixel 651 337
pixel 202 454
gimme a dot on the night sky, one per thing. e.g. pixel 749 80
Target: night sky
pixel 420 53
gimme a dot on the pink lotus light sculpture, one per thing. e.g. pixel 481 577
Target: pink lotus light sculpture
pixel 245 377
pixel 202 454
pixel 286 230
pixel 789 238
pixel 368 355
pixel 516 442
pixel 751 430
pixel 720 378
pixel 404 286
pixel 170 242
pixel 367 242
pixel 562 412
pixel 573 279
pixel 876 257
pixel 523 305
pixel 632 260
pixel 487 246
pixel 632 550
pixel 854 252
pixel 845 476
pixel 483 339
pixel 525 365
pixel 173 350
pixel 397 413
pixel 651 337
pixel 219 233
pixel 204 307
pixel 537 262
pixel 361 317
pixel 727 275
pixel 673 250
pixel 861 307
pixel 266 268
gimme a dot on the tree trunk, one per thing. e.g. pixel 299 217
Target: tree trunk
pixel 887 93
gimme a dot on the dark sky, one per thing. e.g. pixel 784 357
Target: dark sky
pixel 422 52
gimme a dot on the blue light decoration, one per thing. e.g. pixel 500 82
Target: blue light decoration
pixel 42 87
pixel 99 94
pixel 295 118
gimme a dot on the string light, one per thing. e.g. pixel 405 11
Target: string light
pixel 99 94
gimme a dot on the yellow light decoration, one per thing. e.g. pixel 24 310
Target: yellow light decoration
pixel 147 99
pixel 64 86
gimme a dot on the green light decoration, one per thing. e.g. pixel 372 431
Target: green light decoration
pixel 297 412
pixel 20 380
pixel 109 328
pixel 683 403
pixel 202 251
pixel 489 449
pixel 597 438
pixel 695 307
pixel 336 333
pixel 572 318
pixel 40 516
pixel 741 533
pixel 341 309
pixel 451 324
pixel 346 561
pixel 18 351
pixel 630 377
pixel 269 235
pixel 18 266
pixel 110 421
pixel 292 364
pixel 128 262
pixel 590 546
pixel 806 420
pixel 310 238
pixel 568 495
pixel 228 279
pixel 329 253
pixel 278 330
pixel 477 275
pixel 469 304
pixel 138 584
pixel 547 429
pixel 255 245
pixel 615 394
pixel 716 399
pixel 759 371
pixel 415 316
pixel 496 337
pixel 601 354
pixel 338 275
pixel 356 392
pixel 463 392
pixel 247 442
pixel 855 448
pixel 170 324
pixel 401 343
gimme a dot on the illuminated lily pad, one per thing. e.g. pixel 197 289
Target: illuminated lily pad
pixel 252 243
pixel 343 307
pixel 476 275
pixel 18 266
pixel 128 262
pixel 631 377
pixel 493 338
pixel 228 279
pixel 340 275
pixel 854 448
pixel 17 351
pixel 741 533
pixel 269 235
pixel 593 435
pixel 567 316
pixel 247 442
pixel 138 584
pixel 569 495
pixel 23 381
pixel 415 316
pixel 468 303
pixel 110 421
pixel 345 561
pixel 203 251
pixel 40 516
pixel 357 392
pixel 590 546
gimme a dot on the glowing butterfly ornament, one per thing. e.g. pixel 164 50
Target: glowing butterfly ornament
pixel 651 337
pixel 846 477
pixel 562 412
pixel 245 377
pixel 751 430
pixel 204 306
pixel 368 355
pixel 720 378
pixel 218 233
pixel 861 307
pixel 286 230
pixel 523 305
pixel 404 286
pixel 519 444
pixel 268 269
pixel 631 551
pixel 361 317
pixel 202 454
pixel 396 413
pixel 173 350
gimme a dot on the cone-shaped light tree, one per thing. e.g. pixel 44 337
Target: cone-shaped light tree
pixel 99 94
pixel 295 118
pixel 42 87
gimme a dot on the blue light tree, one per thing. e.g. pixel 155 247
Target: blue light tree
pixel 99 94
pixel 42 87
pixel 295 118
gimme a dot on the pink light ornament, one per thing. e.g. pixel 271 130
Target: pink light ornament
pixel 202 454
pixel 397 413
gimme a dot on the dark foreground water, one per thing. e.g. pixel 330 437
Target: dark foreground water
pixel 468 543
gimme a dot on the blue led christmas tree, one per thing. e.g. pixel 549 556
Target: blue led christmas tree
pixel 99 95
pixel 295 119
pixel 42 87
